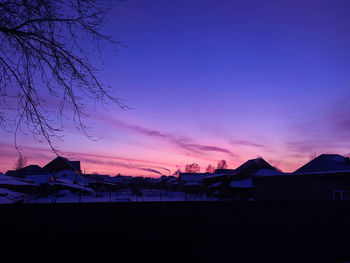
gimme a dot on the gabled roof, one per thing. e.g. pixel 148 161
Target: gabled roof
pixel 192 177
pixel 32 167
pixel 252 166
pixel 28 170
pixel 73 165
pixel 326 162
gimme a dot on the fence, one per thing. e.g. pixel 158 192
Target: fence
pixel 146 195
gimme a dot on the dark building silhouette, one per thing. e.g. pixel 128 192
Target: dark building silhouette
pixel 326 163
pixel 28 170
pixel 224 171
pixel 326 177
pixel 61 163
pixel 239 185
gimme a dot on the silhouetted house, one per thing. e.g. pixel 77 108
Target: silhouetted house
pixel 191 182
pixel 120 181
pixel 326 163
pixel 55 187
pixel 212 183
pixel 28 170
pixel 327 177
pixel 102 186
pixel 224 171
pixel 239 185
pixel 60 163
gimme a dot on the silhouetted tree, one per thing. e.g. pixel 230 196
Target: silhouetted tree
pixel 44 56
pixel 20 163
pixel 177 172
pixel 222 164
pixel 192 168
pixel 210 169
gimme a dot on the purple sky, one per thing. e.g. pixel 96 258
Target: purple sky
pixel 211 80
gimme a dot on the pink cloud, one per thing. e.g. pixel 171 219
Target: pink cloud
pixel 181 142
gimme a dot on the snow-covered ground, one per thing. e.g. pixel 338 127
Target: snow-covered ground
pixel 122 196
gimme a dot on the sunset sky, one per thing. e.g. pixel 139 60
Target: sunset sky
pixel 212 80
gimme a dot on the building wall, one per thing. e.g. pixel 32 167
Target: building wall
pixel 296 187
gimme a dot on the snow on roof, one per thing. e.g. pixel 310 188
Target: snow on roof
pixel 9 180
pixel 9 197
pixel 38 178
pixel 252 166
pixel 214 176
pixel 267 172
pixel 70 184
pixel 326 162
pixel 246 183
pixel 192 177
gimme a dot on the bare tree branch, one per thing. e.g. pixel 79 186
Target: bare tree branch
pixel 43 55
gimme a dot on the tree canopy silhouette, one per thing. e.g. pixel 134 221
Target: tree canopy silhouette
pixel 44 58
pixel 210 169
pixel 222 164
pixel 192 168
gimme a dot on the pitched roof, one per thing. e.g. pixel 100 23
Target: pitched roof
pixel 32 167
pixel 192 177
pixel 74 165
pixel 326 162
pixel 252 166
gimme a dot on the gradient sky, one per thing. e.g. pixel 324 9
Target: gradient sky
pixel 211 80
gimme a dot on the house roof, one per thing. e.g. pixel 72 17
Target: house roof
pixel 326 162
pixel 192 177
pixel 9 180
pixel 74 165
pixel 252 166
pixel 32 167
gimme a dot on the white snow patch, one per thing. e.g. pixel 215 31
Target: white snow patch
pixel 9 197
pixel 9 180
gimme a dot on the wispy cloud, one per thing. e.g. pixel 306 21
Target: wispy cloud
pixel 181 142
pixel 199 148
pixel 42 156
pixel 246 143
pixel 121 164
pixel 328 133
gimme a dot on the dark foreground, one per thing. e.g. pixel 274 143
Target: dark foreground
pixel 314 231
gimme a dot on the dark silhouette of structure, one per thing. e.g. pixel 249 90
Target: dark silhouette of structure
pixel 326 163
pixel 327 177
pixel 60 163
